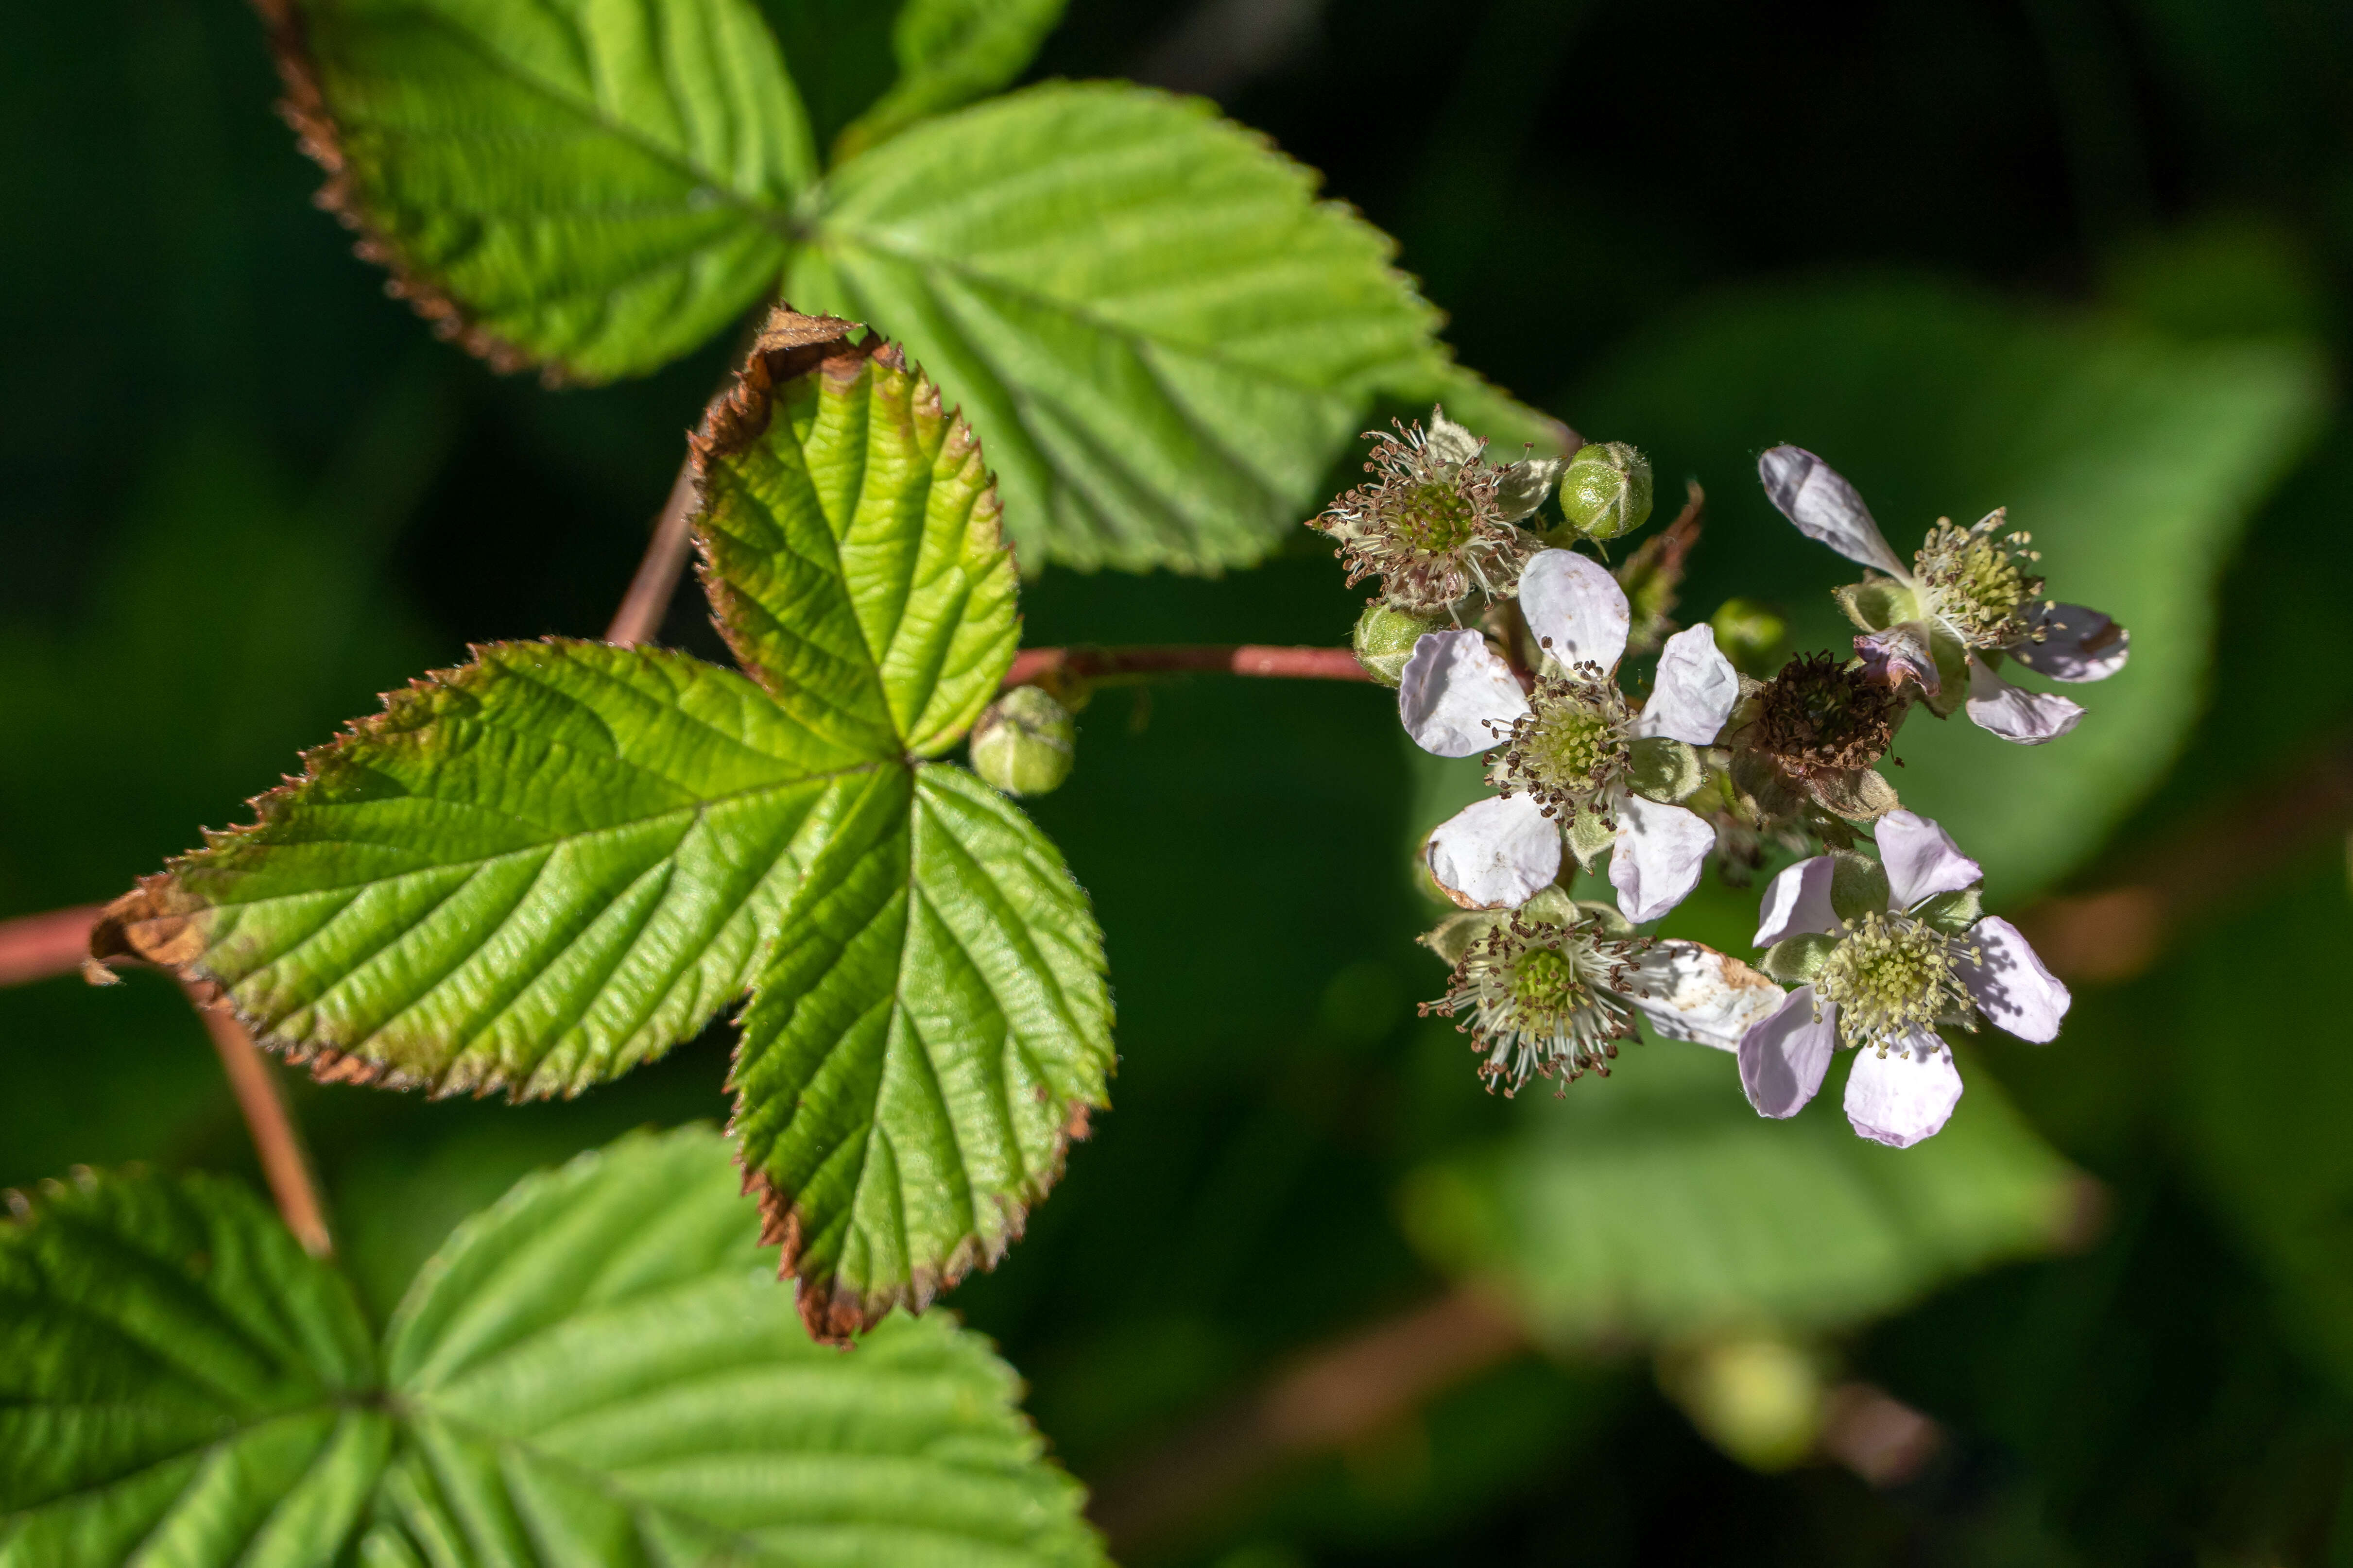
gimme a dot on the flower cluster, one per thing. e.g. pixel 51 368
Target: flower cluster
pixel 1507 639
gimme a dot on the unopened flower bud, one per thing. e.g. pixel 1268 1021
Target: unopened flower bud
pixel 1605 490
pixel 1749 634
pixel 1023 743
pixel 1384 640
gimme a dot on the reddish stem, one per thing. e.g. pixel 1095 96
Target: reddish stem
pixel 656 583
pixel 34 947
pixel 283 1164
pixel 1033 665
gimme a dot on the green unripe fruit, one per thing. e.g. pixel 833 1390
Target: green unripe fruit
pixel 1384 640
pixel 1605 490
pixel 1023 745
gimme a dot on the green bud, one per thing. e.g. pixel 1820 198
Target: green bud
pixel 1384 640
pixel 1878 603
pixel 1858 886
pixel 1749 634
pixel 1794 961
pixel 1605 490
pixel 1663 769
pixel 1953 912
pixel 1023 743
pixel 1759 1398
pixel 1590 838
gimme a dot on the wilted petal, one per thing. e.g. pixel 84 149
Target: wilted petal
pixel 2029 718
pixel 1905 1096
pixel 1811 494
pixel 1694 992
pixel 1496 853
pixel 1573 600
pixel 1921 859
pixel 1656 860
pixel 2012 987
pixel 1696 689
pixel 2078 644
pixel 1798 900
pixel 1901 653
pixel 1453 686
pixel 1784 1056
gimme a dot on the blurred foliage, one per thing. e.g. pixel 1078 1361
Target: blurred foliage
pixel 2125 229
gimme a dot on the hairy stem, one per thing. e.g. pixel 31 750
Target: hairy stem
pixel 656 583
pixel 1037 666
pixel 283 1162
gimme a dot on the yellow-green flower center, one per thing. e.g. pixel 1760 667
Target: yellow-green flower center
pixel 1436 518
pixel 1890 974
pixel 1545 999
pixel 1978 583
pixel 1571 749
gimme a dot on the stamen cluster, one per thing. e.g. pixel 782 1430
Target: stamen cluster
pixel 1818 717
pixel 1545 999
pixel 1977 585
pixel 1429 527
pixel 1572 750
pixel 1892 974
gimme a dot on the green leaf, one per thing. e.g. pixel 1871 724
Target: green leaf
pixel 532 873
pixel 178 1382
pixel 1161 336
pixel 921 1048
pixel 535 872
pixel 1666 1206
pixel 596 188
pixel 851 542
pixel 597 1369
pixel 950 52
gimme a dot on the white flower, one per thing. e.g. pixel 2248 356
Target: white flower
pixel 1550 989
pixel 1885 982
pixel 1945 622
pixel 1569 754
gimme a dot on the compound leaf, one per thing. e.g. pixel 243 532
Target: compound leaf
pixel 1160 334
pixel 950 52
pixel 597 1369
pixel 535 872
pixel 591 186
pixel 177 1380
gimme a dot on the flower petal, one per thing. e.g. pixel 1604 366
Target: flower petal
pixel 1921 859
pixel 1656 860
pixel 1784 1054
pixel 2029 718
pixel 1694 992
pixel 1496 853
pixel 2078 644
pixel 1573 600
pixel 1812 494
pixel 1901 653
pixel 1798 900
pixel 1696 689
pixel 1907 1095
pixel 2014 989
pixel 1453 686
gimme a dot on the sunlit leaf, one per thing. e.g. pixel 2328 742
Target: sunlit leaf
pixel 596 188
pixel 1160 334
pixel 599 1368
pixel 950 52
pixel 539 870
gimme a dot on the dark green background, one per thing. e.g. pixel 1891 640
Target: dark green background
pixel 242 493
